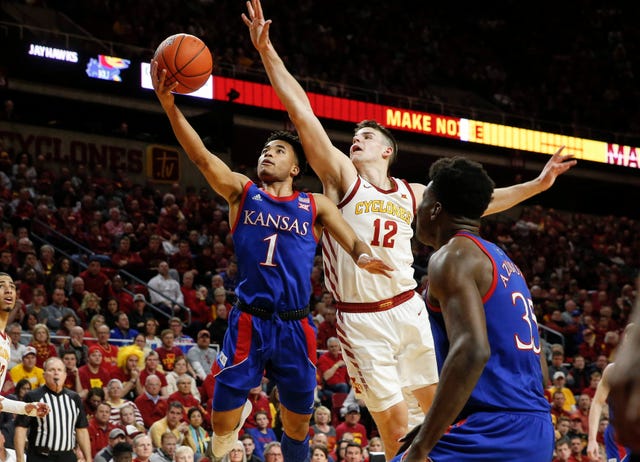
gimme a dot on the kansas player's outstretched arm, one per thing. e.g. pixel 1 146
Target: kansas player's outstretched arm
pixel 453 275
pixel 332 220
pixel 225 182
pixel 336 171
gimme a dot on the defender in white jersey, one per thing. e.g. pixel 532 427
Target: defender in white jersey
pixel 373 324
pixel 8 297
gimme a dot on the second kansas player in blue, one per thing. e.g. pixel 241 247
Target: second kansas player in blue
pixel 489 403
pixel 276 231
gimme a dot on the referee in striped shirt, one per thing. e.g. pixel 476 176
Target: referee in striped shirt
pixel 53 438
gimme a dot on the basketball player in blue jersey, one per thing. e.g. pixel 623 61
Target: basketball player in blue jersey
pixel 275 232
pixel 8 298
pixel 615 452
pixel 489 403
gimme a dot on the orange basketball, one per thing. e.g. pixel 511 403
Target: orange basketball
pixel 187 61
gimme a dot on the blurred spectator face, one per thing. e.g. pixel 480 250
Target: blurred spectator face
pixel 320 438
pixel 174 416
pixel 557 360
pixel 95 358
pixel 187 280
pixel 163 268
pixel 576 447
pixel 604 423
pixel 584 403
pixel 152 362
pixel 103 334
pixel 563 426
pixel 558 400
pixel 334 347
pixel 563 452
pixel 143 447
pixel 94 267
pixel 353 454
pixel 153 385
pixel 249 446
pixel 601 362
pixel 221 311
pixel 78 285
pixel 217 281
pixel 578 362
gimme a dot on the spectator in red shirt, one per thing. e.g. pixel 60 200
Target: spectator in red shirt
pixel 589 348
pixel 150 403
pixel 100 428
pixel 95 280
pixel 125 258
pixel 152 367
pixel 184 396
pixel 352 425
pixel 593 384
pixel 332 368
pixel 167 351
pixel 125 299
pixel 93 374
pixel 327 328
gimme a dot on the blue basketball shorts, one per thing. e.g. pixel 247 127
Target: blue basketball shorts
pixel 284 351
pixel 488 436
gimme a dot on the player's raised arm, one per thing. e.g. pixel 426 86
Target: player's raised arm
pixel 224 181
pixel 330 217
pixel 329 163
pixel 505 198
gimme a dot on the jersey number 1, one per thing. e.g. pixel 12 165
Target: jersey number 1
pixel 271 250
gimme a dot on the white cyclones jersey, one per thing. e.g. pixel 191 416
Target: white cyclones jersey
pixel 383 220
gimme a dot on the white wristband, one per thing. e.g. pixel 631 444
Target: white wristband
pixel 364 255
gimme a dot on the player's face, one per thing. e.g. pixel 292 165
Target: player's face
pixel 368 144
pixel 277 162
pixel 424 233
pixel 7 294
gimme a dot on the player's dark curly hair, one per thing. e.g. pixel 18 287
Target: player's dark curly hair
pixel 387 134
pixel 462 186
pixel 294 141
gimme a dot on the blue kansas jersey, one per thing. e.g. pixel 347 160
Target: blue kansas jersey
pixel 512 378
pixel 275 245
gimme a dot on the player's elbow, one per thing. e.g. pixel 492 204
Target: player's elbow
pixel 477 352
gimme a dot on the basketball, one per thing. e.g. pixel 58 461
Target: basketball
pixel 187 61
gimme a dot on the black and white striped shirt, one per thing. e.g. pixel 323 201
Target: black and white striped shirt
pixel 56 432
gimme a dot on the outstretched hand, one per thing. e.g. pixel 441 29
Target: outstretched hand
pixel 556 166
pixel 38 409
pixel 374 265
pixel 163 91
pixel 258 26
